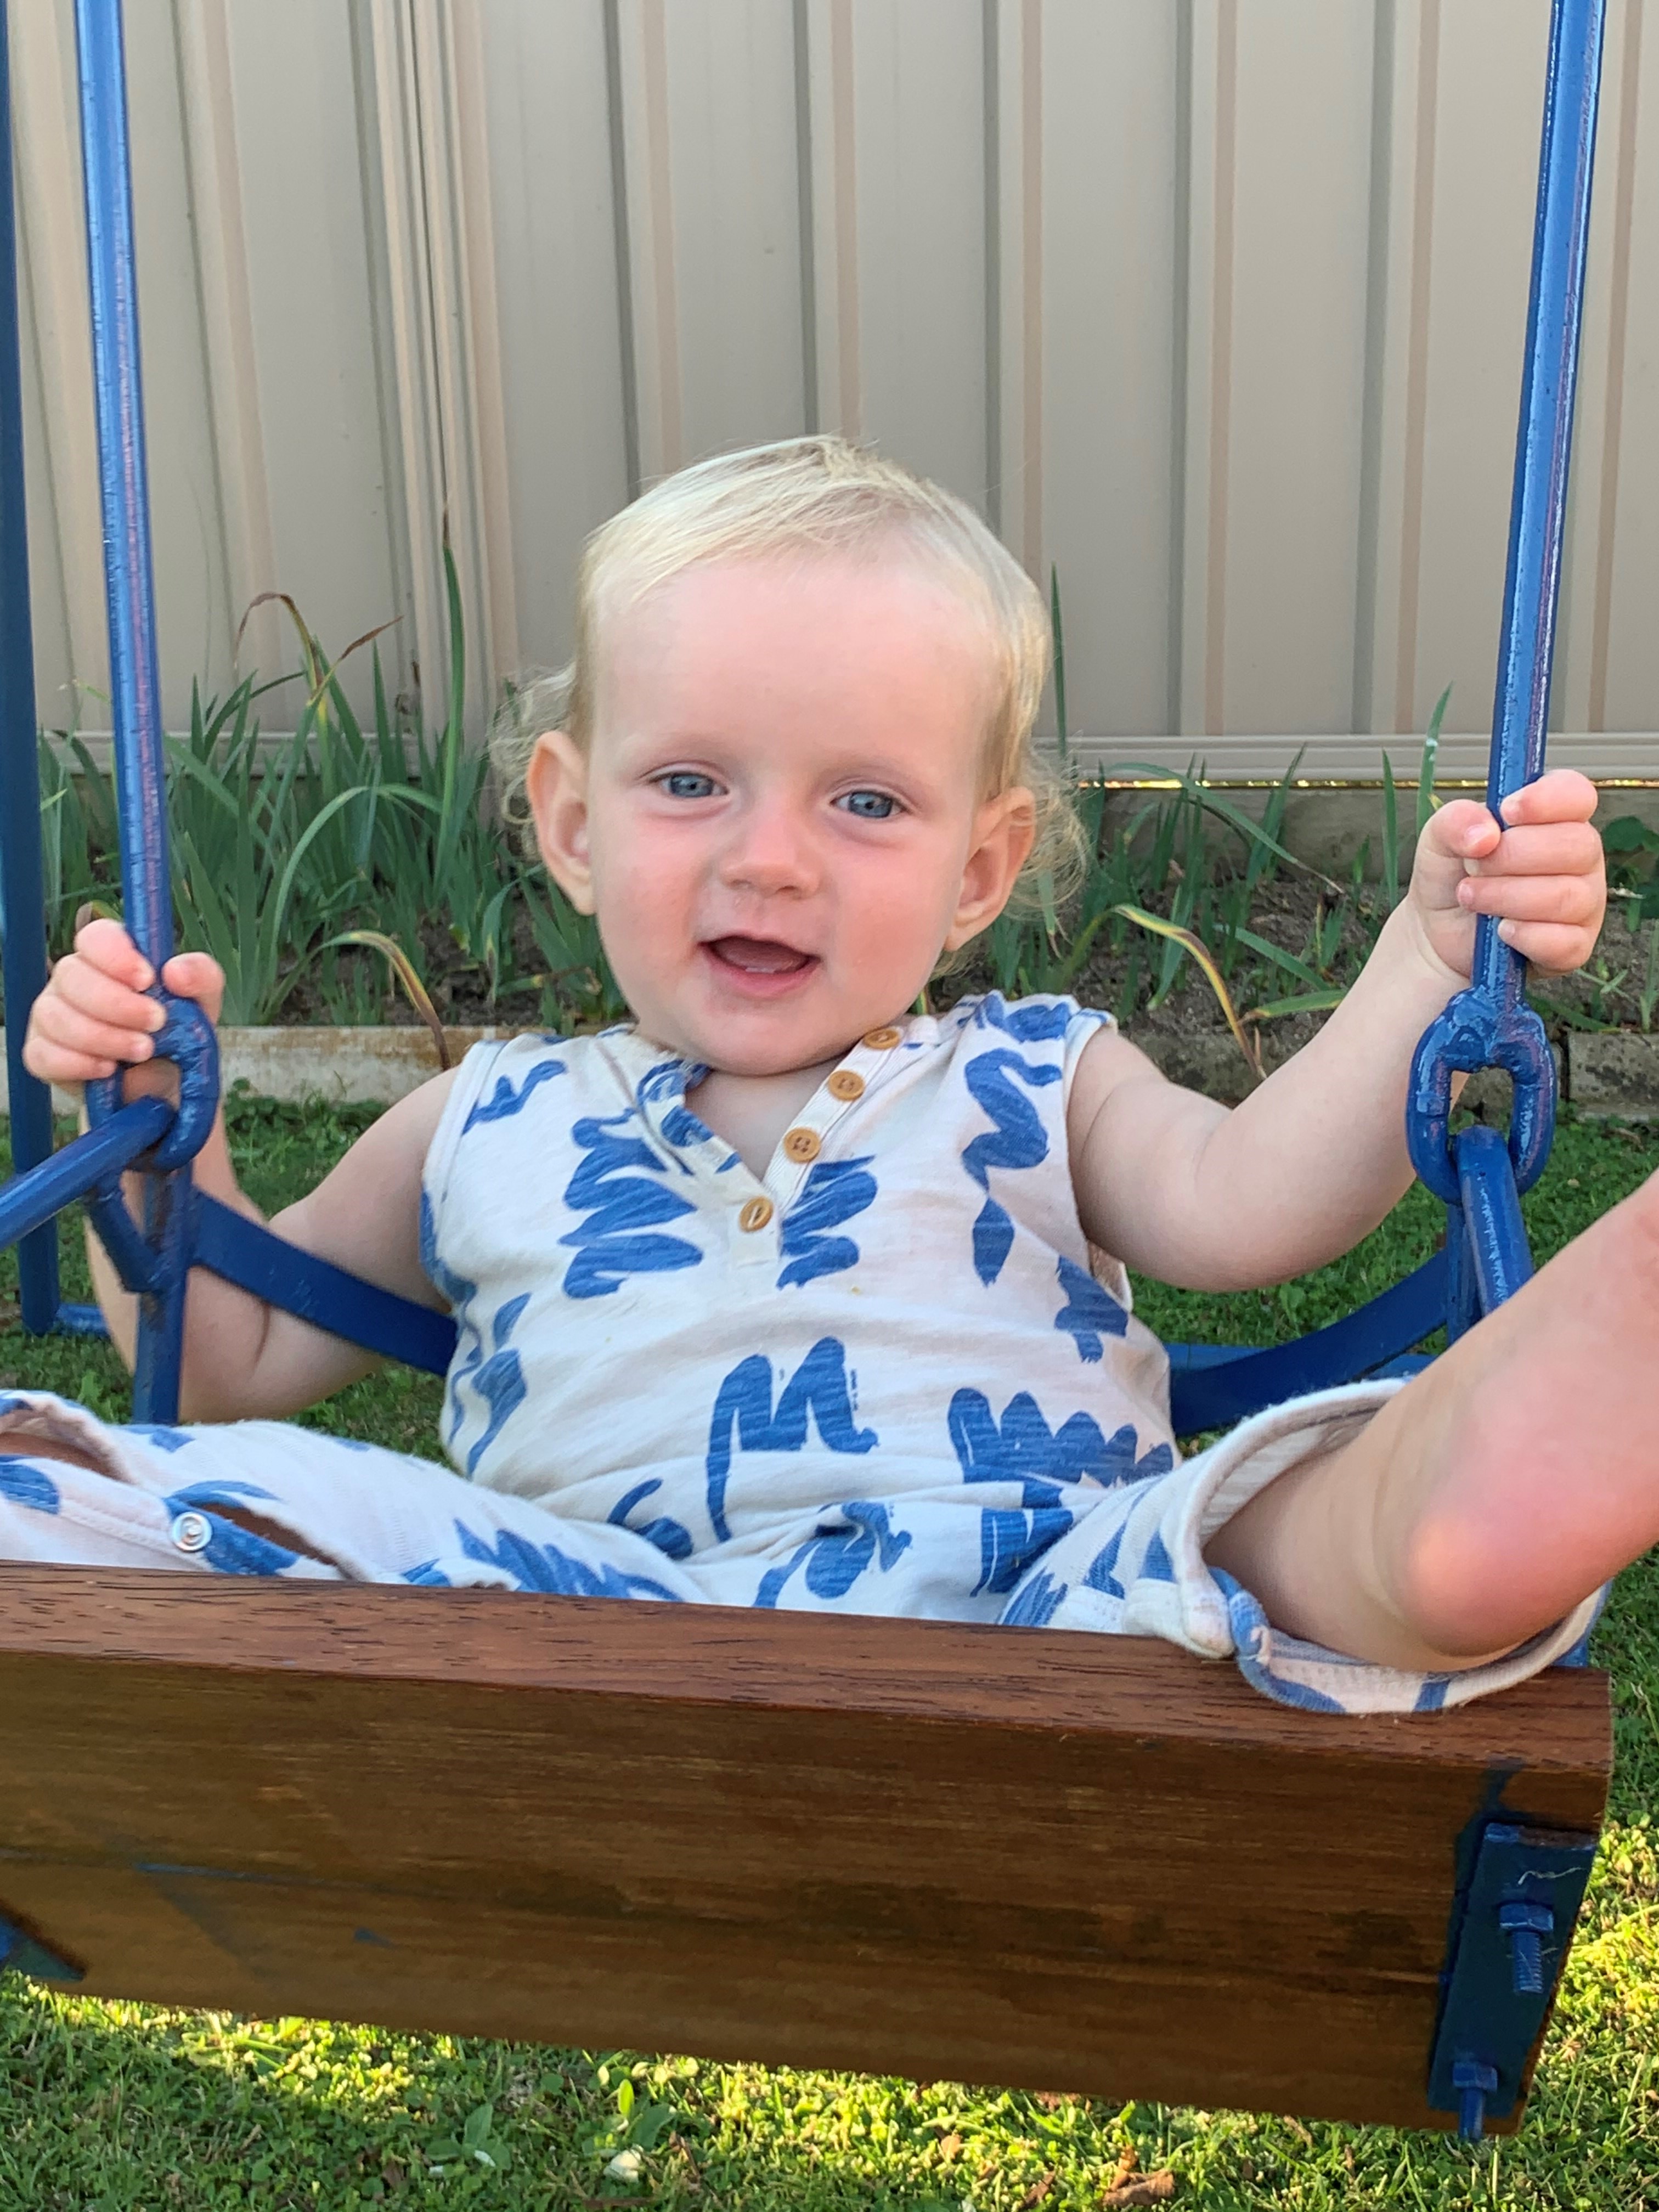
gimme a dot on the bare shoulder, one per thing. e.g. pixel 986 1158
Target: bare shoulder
pixel 1109 1061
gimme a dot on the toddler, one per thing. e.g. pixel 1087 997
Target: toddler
pixel 781 1294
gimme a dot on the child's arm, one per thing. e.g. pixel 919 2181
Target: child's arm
pixel 1182 1189
pixel 243 1359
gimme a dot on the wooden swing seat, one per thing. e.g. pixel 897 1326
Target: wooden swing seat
pixel 1020 1856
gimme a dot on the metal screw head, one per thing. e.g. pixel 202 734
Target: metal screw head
pixel 191 1531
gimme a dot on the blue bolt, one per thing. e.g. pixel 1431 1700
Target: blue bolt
pixel 1474 2082
pixel 1526 1925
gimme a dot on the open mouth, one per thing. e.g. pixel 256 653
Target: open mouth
pixel 758 963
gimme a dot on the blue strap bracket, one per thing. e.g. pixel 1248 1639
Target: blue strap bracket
pixel 1510 1930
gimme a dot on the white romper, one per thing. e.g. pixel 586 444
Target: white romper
pixel 888 1377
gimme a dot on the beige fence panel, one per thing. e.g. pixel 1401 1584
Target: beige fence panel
pixel 1214 306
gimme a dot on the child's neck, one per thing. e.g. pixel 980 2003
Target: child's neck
pixel 751 1112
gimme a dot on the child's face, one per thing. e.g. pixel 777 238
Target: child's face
pixel 779 823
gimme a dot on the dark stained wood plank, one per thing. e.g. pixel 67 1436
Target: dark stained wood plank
pixel 1043 1860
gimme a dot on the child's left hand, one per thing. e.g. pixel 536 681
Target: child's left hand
pixel 1543 873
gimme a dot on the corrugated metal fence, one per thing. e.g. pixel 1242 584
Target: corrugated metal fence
pixel 1215 304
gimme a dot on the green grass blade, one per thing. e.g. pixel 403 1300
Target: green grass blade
pixel 1426 801
pixel 1391 835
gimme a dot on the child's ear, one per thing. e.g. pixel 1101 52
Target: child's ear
pixel 1004 831
pixel 556 785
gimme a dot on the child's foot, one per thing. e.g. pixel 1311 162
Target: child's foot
pixel 1497 1490
pixel 1523 1466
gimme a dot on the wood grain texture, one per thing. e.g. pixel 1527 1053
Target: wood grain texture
pixel 1017 1856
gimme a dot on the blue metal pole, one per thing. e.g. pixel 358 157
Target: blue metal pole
pixel 118 386
pixel 135 682
pixel 1543 445
pixel 1490 1024
pixel 23 924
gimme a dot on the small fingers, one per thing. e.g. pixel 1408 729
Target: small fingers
pixel 1550 848
pixel 1555 947
pixel 99 995
pixel 198 976
pixel 64 1030
pixel 1463 828
pixel 53 1064
pixel 1560 795
pixel 105 946
pixel 1574 899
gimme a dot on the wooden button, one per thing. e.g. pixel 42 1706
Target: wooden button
pixel 846 1083
pixel 756 1212
pixel 881 1040
pixel 802 1144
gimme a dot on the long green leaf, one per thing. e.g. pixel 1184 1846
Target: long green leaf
pixel 1390 836
pixel 1276 956
pixel 1200 952
pixel 1426 801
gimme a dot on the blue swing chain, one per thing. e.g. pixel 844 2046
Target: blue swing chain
pixel 154 1261
pixel 1490 1024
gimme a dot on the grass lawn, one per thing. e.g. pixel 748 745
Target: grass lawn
pixel 111 2108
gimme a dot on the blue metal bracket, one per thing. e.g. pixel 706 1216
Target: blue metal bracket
pixel 23 1953
pixel 1509 1935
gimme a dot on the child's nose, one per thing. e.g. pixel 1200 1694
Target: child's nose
pixel 770 851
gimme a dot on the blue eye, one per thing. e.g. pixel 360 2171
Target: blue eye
pixel 687 783
pixel 869 805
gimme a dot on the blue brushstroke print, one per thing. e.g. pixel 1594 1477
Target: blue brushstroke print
pixel 545 1567
pixel 819 1386
pixel 673 1537
pixel 672 1078
pixel 834 1192
pixel 499 1380
pixel 24 1484
pixel 1022 1448
pixel 835 1557
pixel 458 1294
pixel 1018 1141
pixel 1091 1313
pixel 504 1101
pixel 1033 1021
pixel 1037 1604
pixel 619 1184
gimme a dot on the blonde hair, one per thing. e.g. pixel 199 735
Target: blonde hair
pixel 816 494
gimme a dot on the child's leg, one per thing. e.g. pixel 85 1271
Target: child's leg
pixel 263 1498
pixel 66 1500
pixel 1494 1492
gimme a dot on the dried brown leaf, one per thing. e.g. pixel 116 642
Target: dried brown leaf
pixel 1157 2188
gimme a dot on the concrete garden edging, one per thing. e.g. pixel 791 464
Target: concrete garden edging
pixel 1612 1075
pixel 367 1066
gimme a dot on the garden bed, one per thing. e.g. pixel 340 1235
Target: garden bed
pixel 320 870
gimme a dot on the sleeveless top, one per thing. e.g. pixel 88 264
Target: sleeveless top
pixel 904 1307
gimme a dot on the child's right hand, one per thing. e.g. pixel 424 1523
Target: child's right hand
pixel 94 1017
